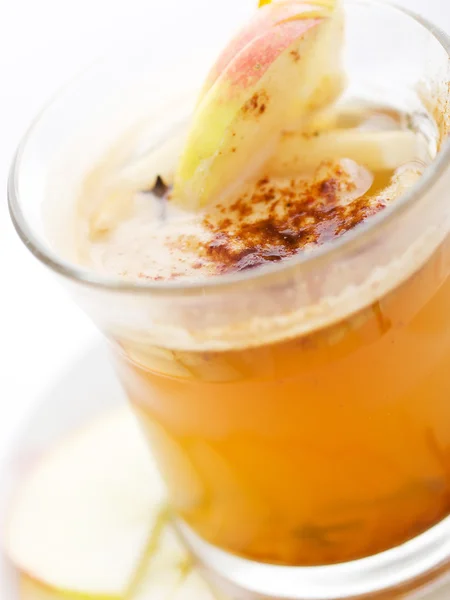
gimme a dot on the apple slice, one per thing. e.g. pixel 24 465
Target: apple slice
pixel 89 523
pixel 83 519
pixel 282 67
pixel 376 150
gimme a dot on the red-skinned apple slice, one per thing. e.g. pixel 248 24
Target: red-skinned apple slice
pixel 284 65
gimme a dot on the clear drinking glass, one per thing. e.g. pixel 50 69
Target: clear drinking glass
pixel 299 413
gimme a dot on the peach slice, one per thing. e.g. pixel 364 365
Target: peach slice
pixel 282 67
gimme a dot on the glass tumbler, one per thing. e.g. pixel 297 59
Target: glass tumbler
pixel 300 413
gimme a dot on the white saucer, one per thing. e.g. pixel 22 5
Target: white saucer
pixel 88 388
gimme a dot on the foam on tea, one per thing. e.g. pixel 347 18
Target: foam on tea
pixel 310 193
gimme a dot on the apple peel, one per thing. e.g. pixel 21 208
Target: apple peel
pixel 282 67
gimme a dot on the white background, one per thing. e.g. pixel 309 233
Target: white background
pixel 42 44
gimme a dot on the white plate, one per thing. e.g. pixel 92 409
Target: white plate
pixel 88 388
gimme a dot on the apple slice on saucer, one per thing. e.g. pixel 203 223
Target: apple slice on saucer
pixel 89 523
pixel 84 517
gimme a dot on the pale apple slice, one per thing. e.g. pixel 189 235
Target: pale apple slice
pixel 115 207
pixel 108 191
pixel 376 150
pixel 159 161
pixel 83 519
pixel 284 65
pixel 90 523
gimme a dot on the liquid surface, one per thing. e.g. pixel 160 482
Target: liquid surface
pixel 349 166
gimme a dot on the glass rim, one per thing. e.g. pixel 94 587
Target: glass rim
pixel 90 278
